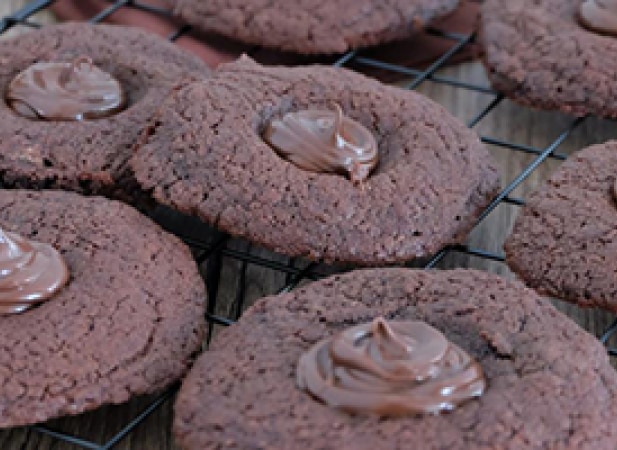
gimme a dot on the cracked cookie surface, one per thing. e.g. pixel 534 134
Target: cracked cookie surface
pixel 565 240
pixel 313 26
pixel 87 156
pixel 205 155
pixel 128 322
pixel 549 383
pixel 538 54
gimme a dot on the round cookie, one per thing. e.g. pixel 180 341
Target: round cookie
pixel 204 155
pixel 309 26
pixel 87 156
pixel 564 241
pixel 538 54
pixel 128 323
pixel 549 383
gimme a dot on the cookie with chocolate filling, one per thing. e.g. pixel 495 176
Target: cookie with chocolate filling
pixel 307 26
pixel 553 54
pixel 75 99
pixel 460 360
pixel 97 304
pixel 318 162
pixel 564 241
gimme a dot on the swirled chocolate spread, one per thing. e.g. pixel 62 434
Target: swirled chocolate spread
pixel 390 369
pixel 65 91
pixel 599 16
pixel 30 273
pixel 324 141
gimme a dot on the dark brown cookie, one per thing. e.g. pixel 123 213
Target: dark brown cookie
pixel 549 384
pixel 89 156
pixel 128 322
pixel 564 241
pixel 204 155
pixel 538 54
pixel 309 26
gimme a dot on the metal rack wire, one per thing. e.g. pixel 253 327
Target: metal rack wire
pixel 212 251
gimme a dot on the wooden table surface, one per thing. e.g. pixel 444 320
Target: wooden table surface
pixel 508 122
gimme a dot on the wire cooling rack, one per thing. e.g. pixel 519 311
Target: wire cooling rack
pixel 212 248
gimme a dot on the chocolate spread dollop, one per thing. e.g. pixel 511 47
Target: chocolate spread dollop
pixel 65 91
pixel 30 273
pixel 599 16
pixel 390 369
pixel 324 141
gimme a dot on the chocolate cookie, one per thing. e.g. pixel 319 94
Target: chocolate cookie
pixel 549 384
pixel 127 323
pixel 564 240
pixel 85 155
pixel 307 26
pixel 539 53
pixel 205 155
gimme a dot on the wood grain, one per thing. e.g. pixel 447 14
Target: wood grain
pixel 509 122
